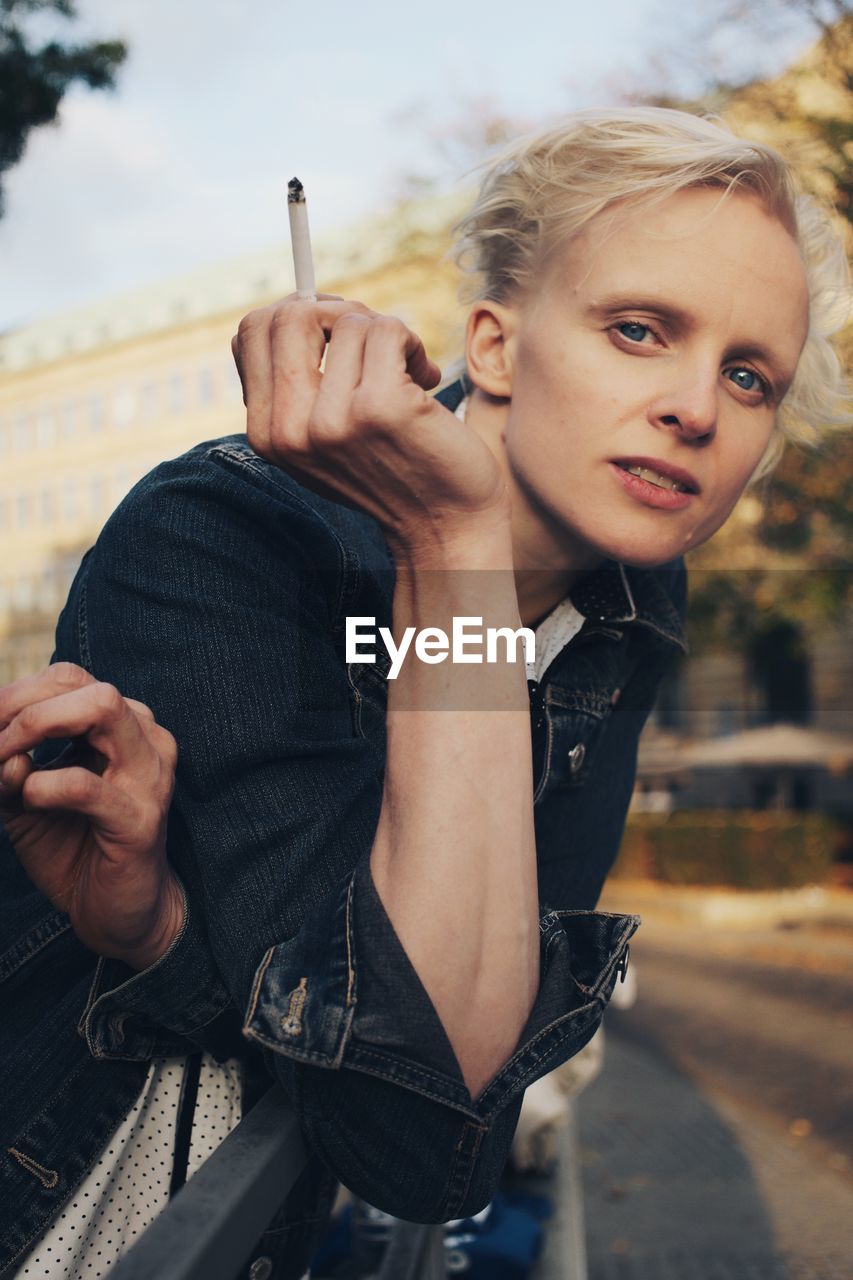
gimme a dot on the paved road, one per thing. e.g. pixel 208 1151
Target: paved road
pixel 747 1018
pixel 718 1143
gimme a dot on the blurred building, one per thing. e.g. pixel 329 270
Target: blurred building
pixel 768 730
pixel 93 398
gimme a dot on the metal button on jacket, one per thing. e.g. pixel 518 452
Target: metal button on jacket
pixel 260 1269
pixel 576 757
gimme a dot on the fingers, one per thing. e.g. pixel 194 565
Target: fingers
pixel 61 677
pixel 118 815
pixel 144 713
pixel 13 774
pixel 393 351
pixel 343 373
pixel 97 712
pixel 279 351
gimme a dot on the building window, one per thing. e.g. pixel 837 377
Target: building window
pixel 122 481
pixel 68 420
pixel 97 495
pixel 47 590
pixel 124 408
pixel 47 506
pixel 24 594
pixel 23 510
pixel 22 431
pixel 45 427
pixel 780 665
pixel 148 399
pixel 96 413
pixel 69 500
pixel 177 393
pixel 233 384
pixel 206 386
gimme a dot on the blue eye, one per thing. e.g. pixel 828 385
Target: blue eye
pixel 746 379
pixel 633 330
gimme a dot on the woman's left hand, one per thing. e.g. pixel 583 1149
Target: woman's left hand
pixel 90 829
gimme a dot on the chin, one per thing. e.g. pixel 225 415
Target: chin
pixel 645 550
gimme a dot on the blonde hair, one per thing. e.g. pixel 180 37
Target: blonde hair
pixel 545 189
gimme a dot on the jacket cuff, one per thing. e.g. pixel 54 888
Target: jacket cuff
pixel 175 1006
pixel 343 993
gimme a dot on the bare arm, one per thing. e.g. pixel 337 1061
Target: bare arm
pixel 454 859
pixel 454 854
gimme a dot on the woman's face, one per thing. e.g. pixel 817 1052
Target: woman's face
pixel 646 368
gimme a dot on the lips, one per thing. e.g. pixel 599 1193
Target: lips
pixel 665 475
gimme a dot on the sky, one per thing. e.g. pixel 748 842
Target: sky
pixel 221 101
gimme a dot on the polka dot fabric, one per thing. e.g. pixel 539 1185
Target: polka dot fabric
pixel 129 1184
pixel 552 635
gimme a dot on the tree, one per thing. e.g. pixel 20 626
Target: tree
pixel 34 77
pixel 784 558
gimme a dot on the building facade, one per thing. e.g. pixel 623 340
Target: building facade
pixel 92 399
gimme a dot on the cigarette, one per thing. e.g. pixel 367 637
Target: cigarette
pixel 300 239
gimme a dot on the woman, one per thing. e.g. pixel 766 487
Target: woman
pixel 373 882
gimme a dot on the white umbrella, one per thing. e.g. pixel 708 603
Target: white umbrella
pixel 776 744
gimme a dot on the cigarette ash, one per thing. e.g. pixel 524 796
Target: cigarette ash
pixel 295 192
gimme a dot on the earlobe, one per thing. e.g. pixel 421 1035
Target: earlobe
pixel 490 347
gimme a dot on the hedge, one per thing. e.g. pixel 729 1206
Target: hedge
pixel 744 850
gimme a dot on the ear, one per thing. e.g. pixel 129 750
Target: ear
pixel 490 347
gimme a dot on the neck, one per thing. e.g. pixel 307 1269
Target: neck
pixel 548 559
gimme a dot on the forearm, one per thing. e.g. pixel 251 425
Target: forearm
pixel 454 859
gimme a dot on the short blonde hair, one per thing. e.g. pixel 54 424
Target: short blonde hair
pixel 545 189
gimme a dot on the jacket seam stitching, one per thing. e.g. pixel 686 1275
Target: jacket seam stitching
pixel 252 463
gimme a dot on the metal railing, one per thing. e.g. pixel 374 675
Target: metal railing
pixel 208 1229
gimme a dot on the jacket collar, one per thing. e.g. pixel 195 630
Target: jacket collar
pixel 611 594
pixel 614 594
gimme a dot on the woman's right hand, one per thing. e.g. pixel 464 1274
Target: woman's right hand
pixel 90 829
pixel 364 431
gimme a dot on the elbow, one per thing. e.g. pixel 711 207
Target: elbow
pixel 400 1150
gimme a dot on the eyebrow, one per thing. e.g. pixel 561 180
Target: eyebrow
pixel 683 319
pixel 639 302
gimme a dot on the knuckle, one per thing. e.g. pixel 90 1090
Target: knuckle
pixel 286 314
pixel 79 785
pixel 28 719
pixel 355 320
pixel 142 709
pixel 167 745
pixel 391 327
pixel 69 675
pixel 108 701
pixel 253 322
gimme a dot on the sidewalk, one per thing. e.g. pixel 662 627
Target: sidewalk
pixel 672 1193
pixel 680 1181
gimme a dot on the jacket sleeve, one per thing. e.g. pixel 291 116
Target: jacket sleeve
pixel 213 595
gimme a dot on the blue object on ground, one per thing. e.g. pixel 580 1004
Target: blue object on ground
pixel 501 1243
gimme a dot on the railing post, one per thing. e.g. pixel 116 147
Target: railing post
pixel 207 1232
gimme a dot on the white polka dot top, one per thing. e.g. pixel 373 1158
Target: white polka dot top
pixel 129 1183
pixel 552 635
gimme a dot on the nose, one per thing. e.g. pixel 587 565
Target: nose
pixel 689 408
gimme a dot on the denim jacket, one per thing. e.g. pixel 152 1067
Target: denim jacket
pixel 217 593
